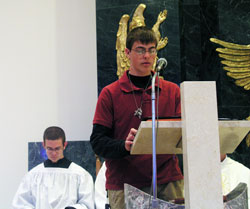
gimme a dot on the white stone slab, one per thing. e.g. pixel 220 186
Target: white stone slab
pixel 200 140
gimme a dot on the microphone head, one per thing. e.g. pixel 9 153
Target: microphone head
pixel 161 64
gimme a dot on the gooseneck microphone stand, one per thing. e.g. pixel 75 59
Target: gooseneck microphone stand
pixel 154 201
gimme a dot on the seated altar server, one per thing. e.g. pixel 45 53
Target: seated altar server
pixel 233 173
pixel 56 183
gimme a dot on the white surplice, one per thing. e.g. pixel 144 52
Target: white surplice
pixel 233 173
pixel 55 188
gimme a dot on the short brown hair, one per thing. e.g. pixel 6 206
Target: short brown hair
pixel 143 34
pixel 54 133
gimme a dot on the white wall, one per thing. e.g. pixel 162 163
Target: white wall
pixel 48 76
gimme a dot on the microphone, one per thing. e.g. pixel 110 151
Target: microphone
pixel 161 64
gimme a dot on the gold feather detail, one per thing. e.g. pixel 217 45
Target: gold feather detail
pixel 236 64
pixel 121 58
pixel 138 19
pixel 233 52
pixel 229 45
pixel 236 61
pixel 235 58
pixel 240 69
pixel 162 42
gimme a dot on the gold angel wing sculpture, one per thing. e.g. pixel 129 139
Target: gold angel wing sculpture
pixel 137 21
pixel 138 18
pixel 162 42
pixel 121 58
pixel 236 60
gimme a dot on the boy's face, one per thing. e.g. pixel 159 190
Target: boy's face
pixel 141 63
pixel 54 149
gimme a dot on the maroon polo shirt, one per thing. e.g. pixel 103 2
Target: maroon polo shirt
pixel 115 110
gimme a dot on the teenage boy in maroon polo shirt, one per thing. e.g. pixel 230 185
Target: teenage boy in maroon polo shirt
pixel 119 111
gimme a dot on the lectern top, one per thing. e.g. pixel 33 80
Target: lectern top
pixel 169 136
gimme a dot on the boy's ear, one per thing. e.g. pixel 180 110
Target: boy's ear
pixel 127 51
pixel 65 144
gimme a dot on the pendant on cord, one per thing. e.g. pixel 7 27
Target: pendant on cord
pixel 138 113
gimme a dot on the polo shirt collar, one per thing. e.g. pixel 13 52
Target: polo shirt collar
pixel 126 86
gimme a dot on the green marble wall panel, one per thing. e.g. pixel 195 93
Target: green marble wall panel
pixel 190 54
